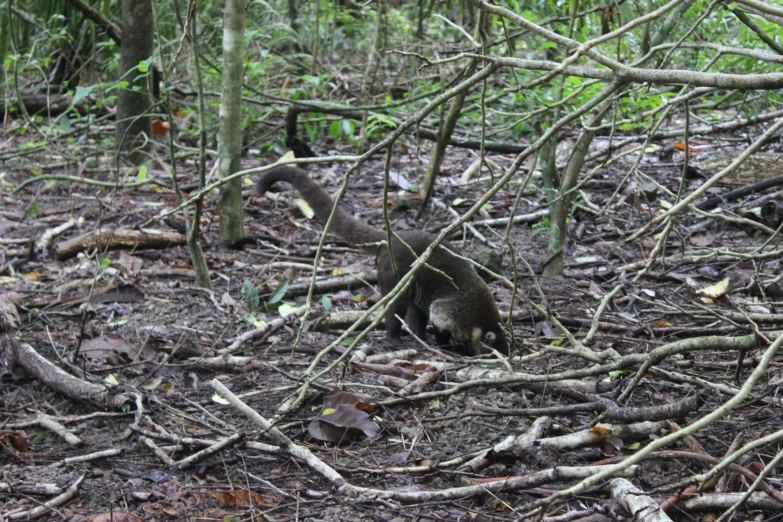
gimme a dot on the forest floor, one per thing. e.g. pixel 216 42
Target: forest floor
pixel 135 320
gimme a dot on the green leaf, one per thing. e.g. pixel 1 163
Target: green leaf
pixel 334 129
pixel 34 209
pixel 105 262
pixel 141 177
pixel 251 295
pixel 81 93
pixel 65 124
pixel 279 292
pixel 144 65
pixel 326 302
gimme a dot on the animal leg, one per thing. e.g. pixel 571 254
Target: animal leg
pixel 416 321
pixel 442 337
pixel 394 325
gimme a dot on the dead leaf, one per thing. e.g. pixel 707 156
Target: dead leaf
pixel 337 397
pixel 7 226
pixel 119 294
pixel 116 516
pixel 344 423
pixel 610 446
pixel 114 350
pixel 14 439
pixel 717 290
pixel 601 428
pixel 160 127
pixel 153 383
pixel 703 240
pixel 545 328
pixel 234 498
pixel 596 290
pixel 386 369
pixel 9 317
pixel 396 178
pixel 130 264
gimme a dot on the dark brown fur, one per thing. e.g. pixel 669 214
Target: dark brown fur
pixel 461 310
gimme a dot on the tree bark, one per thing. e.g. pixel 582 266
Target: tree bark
pixel 560 211
pixel 134 125
pixel 230 132
pixel 448 125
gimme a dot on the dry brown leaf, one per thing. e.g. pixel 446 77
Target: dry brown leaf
pixel 114 350
pixel 342 424
pixel 116 516
pixel 703 240
pixel 233 498
pixel 601 428
pixel 717 290
pixel 9 317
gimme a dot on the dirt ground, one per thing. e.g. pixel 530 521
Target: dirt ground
pixel 134 320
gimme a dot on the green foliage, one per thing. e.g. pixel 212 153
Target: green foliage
pixel 542 226
pixel 253 298
pixel 34 209
pixel 280 60
pixel 251 295
pixel 279 292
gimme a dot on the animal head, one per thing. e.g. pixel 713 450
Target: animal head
pixel 471 330
pixel 491 337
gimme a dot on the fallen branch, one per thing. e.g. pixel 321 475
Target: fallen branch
pixel 510 446
pixel 42 244
pixel 110 238
pixel 363 494
pixel 635 502
pixel 256 333
pixel 716 501
pixel 741 192
pixel 343 319
pixel 49 506
pixel 58 379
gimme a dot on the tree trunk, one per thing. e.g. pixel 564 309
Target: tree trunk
pixel 230 132
pixel 560 210
pixel 447 126
pixel 134 125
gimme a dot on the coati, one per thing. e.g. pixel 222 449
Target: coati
pixel 462 311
